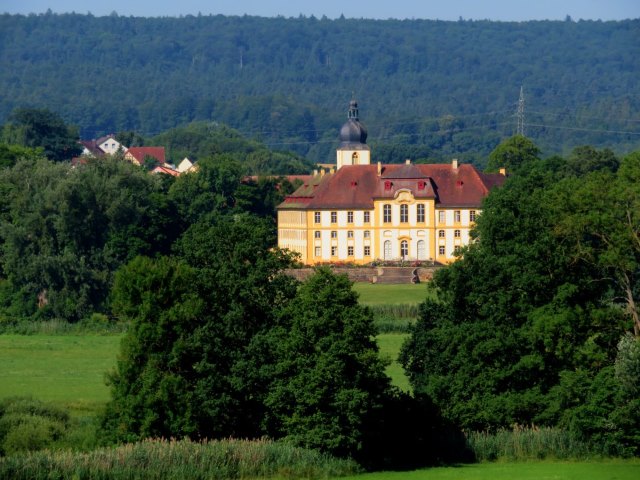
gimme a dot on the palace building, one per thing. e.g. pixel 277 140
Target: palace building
pixel 360 212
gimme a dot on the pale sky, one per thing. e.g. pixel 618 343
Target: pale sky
pixel 505 10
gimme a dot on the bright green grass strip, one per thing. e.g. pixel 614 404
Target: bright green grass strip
pixel 390 344
pixel 67 370
pixel 603 470
pixel 383 294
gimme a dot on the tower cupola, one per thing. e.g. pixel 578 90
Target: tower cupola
pixel 353 133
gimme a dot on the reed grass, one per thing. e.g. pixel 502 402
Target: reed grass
pixel 179 460
pixel 523 443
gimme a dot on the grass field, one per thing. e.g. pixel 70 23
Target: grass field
pixel 390 344
pixel 69 369
pixel 383 294
pixel 601 470
pixel 65 369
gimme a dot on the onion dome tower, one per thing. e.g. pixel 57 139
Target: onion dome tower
pixel 353 149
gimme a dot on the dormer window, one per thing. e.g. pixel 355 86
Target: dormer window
pixel 387 185
pixel 422 185
pixel 459 183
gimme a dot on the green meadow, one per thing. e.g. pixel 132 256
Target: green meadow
pixel 65 369
pixel 69 370
pixel 374 294
pixel 544 470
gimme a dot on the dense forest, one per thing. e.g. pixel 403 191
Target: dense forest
pixel 427 89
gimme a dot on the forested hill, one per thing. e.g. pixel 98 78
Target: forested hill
pixel 427 89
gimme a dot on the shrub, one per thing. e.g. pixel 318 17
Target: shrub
pixel 27 424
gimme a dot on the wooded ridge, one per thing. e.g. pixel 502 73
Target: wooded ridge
pixel 427 89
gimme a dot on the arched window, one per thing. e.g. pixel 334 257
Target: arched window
pixel 404 249
pixel 422 251
pixel 387 249
pixel 354 158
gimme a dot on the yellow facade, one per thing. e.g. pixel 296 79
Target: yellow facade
pixel 432 239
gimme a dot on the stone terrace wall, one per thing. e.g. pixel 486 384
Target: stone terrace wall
pixel 363 274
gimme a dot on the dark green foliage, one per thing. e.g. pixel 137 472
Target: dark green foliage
pixel 525 326
pixel 427 88
pixel 187 367
pixel 10 154
pixel 65 231
pixel 328 379
pixel 512 154
pixel 42 128
pixel 200 140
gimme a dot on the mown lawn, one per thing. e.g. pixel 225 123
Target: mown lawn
pixel 383 294
pixel 66 369
pixel 547 470
pixel 390 344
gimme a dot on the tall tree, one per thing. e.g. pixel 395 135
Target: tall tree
pixel 30 127
pixel 194 321
pixel 512 154
pixel 328 378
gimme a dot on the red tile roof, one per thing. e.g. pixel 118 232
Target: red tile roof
pixel 357 186
pixel 166 170
pixel 140 152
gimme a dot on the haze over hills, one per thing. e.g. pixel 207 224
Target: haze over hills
pixel 427 89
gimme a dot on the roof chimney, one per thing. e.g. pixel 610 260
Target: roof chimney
pixel 379 168
pixel 503 172
pixel 454 163
pixel 407 161
pixel 315 172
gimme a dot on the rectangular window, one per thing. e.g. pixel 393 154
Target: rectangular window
pixel 404 213
pixel 386 213
pixel 350 251
pixel 420 214
pixel 316 234
pixel 367 234
pixel 350 234
pixel 441 216
pixel 334 234
pixel 456 250
pixel 456 233
pixel 440 233
pixel 367 251
pixel 367 217
pixel 334 217
pixel 441 250
pixel 456 216
pixel 349 217
pixel 472 216
pixel 316 217
pixel 318 251
pixel 334 251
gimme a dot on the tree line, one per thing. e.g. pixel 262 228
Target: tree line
pixel 427 89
